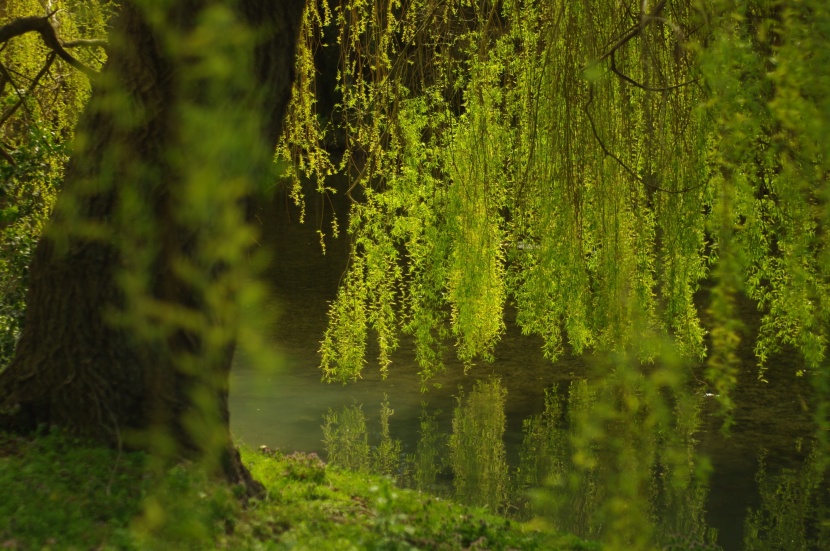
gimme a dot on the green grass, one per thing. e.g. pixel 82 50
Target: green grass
pixel 60 493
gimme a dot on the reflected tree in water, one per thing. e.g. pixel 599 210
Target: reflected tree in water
pixel 600 461
pixel 386 456
pixel 428 462
pixel 346 439
pixel 795 509
pixel 619 460
pixel 477 454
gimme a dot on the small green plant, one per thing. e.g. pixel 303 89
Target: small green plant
pixel 305 466
pixel 60 493
pixel 185 510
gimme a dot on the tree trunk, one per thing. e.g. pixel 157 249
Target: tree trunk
pixel 81 362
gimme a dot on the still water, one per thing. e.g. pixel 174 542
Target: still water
pixel 756 470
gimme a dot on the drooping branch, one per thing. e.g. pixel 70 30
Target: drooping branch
pixel 633 82
pixel 47 32
pixel 632 32
pixel 619 161
pixel 644 20
pixel 635 31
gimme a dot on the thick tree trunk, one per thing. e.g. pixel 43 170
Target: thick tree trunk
pixel 77 365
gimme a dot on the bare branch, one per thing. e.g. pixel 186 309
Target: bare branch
pixel 5 154
pixel 7 75
pixel 632 32
pixel 46 31
pixel 681 36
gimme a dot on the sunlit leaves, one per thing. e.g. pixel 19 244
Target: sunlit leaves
pixel 486 156
pixel 594 165
pixel 304 134
pixel 344 345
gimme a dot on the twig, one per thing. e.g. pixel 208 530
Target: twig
pixel 5 72
pixel 5 155
pixel 605 150
pixel 91 42
pixel 632 32
pixel 49 60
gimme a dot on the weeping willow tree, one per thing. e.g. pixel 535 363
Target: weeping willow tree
pixel 549 154
pixel 623 173
pixel 596 164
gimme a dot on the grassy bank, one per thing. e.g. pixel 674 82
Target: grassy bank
pixel 59 493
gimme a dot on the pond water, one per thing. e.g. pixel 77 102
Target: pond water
pixel 285 408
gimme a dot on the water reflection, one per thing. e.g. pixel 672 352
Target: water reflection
pixel 633 484
pixel 794 513
pixel 426 463
pixel 598 461
pixel 477 456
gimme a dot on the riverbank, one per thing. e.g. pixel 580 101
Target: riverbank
pixel 61 493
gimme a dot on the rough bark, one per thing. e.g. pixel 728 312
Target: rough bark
pixel 73 367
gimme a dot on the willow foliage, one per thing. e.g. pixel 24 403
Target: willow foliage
pixel 590 162
pixel 524 151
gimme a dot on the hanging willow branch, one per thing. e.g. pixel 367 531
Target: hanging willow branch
pixel 643 86
pixel 609 153
pixel 44 28
pixel 633 32
pixel 35 81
